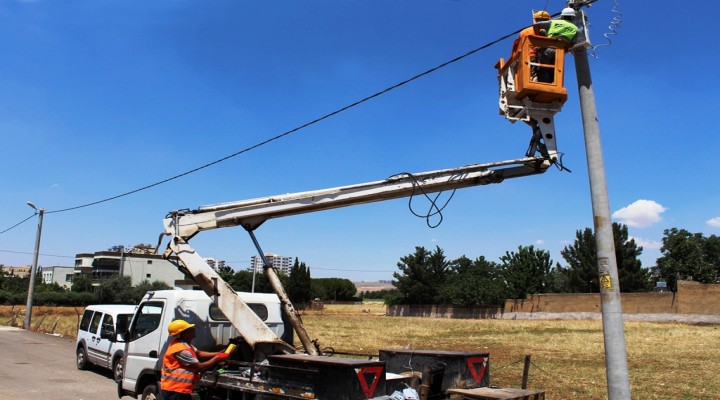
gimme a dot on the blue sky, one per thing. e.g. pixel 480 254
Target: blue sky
pixel 99 98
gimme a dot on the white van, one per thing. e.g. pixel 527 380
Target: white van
pixel 147 337
pixel 97 337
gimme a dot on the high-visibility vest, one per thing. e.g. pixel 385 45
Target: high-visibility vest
pixel 518 42
pixel 561 29
pixel 175 377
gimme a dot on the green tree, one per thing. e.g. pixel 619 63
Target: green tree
pixel 15 284
pixel 689 256
pixel 633 277
pixel 225 272
pixel 582 272
pixel 48 287
pixel 337 289
pixel 421 276
pixel 242 281
pixel 526 272
pixel 299 286
pixel 558 280
pixel 379 294
pixel 145 286
pixel 471 283
pixel 116 290
pixel 81 283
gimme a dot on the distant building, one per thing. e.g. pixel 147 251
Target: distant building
pixel 20 272
pixel 281 263
pixel 212 263
pixel 102 265
pixel 63 276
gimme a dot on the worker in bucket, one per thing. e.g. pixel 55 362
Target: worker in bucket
pixel 181 363
pixel 563 29
pixel 538 16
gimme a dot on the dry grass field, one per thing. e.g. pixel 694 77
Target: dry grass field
pixel 665 360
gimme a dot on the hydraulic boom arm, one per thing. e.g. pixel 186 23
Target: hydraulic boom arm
pixel 252 213
pixel 184 224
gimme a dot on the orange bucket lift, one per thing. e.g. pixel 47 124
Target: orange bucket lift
pixel 531 89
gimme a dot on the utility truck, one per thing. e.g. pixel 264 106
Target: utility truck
pixel 268 366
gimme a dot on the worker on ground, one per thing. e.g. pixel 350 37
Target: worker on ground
pixel 181 363
pixel 538 16
pixel 562 29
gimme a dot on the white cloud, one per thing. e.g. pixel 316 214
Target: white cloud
pixel 647 244
pixel 715 222
pixel 640 214
pixel 539 242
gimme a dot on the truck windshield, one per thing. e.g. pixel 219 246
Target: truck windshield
pixel 147 319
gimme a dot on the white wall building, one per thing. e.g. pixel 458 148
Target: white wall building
pixel 281 263
pixel 102 265
pixel 63 276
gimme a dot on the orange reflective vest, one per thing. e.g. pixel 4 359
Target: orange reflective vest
pixel 176 377
pixel 518 42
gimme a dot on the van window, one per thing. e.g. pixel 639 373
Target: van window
pixel 148 319
pixel 123 320
pixel 259 309
pixel 85 322
pixel 108 323
pixel 95 322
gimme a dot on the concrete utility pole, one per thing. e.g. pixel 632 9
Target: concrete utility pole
pixel 613 332
pixel 33 271
pixel 122 261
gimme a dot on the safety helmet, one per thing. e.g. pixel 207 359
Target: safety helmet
pixel 178 326
pixel 541 15
pixel 567 12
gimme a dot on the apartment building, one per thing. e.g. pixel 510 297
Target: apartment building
pixel 281 263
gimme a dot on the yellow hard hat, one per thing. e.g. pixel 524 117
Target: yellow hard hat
pixel 542 15
pixel 178 326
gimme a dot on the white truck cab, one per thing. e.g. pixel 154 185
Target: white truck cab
pixel 147 336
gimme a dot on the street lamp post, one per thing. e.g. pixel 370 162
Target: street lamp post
pixel 33 271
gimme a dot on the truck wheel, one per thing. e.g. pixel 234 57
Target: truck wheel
pixel 117 368
pixel 150 392
pixel 81 360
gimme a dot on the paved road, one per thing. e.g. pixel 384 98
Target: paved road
pixel 37 366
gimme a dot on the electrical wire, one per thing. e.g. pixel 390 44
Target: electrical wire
pixel 434 209
pixel 615 23
pixel 42 254
pixel 18 224
pixel 291 131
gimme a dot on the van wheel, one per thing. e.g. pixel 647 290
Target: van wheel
pixel 81 360
pixel 117 368
pixel 150 392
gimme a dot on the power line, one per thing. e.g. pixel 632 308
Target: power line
pixel 29 252
pixel 286 133
pixel 18 224
pixel 291 131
